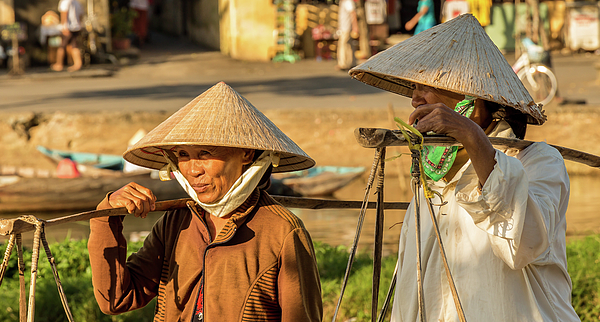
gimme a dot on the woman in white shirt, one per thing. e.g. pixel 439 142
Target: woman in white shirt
pixel 503 222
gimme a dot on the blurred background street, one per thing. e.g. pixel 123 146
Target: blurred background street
pixel 170 71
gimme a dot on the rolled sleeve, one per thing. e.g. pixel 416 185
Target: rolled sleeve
pixel 520 203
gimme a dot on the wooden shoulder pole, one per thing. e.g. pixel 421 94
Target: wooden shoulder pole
pixel 378 244
pixel 376 138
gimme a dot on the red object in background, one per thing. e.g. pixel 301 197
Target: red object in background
pixel 140 25
pixel 67 169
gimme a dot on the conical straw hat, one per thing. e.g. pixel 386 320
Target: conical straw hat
pixel 457 56
pixel 218 117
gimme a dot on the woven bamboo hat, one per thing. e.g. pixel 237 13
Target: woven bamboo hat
pixel 457 56
pixel 218 117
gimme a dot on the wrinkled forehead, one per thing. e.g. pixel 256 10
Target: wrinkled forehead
pixel 196 147
pixel 213 149
pixel 437 91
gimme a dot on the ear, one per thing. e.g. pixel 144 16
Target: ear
pixel 247 156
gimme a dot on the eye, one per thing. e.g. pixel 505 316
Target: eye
pixel 203 153
pixel 182 154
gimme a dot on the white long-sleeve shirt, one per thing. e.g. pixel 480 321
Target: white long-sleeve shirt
pixel 505 243
pixel 74 12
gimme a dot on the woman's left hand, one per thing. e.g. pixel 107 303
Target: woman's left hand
pixel 441 119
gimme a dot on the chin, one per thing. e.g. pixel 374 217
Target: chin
pixel 208 199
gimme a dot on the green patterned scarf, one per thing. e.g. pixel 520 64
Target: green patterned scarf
pixel 437 160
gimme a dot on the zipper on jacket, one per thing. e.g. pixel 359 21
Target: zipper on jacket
pixel 200 316
pixel 195 212
pixel 202 279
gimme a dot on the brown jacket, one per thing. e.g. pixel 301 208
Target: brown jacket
pixel 261 267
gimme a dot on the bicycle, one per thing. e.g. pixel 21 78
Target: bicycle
pixel 539 80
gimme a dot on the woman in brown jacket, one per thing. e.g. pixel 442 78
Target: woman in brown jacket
pixel 235 254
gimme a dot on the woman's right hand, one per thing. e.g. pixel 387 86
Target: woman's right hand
pixel 138 199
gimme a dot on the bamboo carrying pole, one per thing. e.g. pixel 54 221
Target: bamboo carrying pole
pixel 34 264
pixel 359 224
pixel 22 286
pixel 4 265
pixel 377 138
pixel 18 225
pixel 15 227
pixel 378 244
pixel 416 188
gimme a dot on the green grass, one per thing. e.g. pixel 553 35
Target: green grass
pixel 356 303
pixel 72 260
pixel 583 257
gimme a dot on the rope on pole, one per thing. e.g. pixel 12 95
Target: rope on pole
pixel 416 174
pixel 457 304
pixel 361 218
pixel 4 265
pixel 39 226
pixel 22 286
pixel 61 292
pixel 378 244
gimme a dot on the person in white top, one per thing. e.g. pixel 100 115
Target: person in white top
pixel 347 30
pixel 503 222
pixel 71 13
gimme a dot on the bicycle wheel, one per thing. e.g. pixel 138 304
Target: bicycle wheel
pixel 540 82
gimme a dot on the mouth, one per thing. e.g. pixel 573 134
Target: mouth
pixel 200 187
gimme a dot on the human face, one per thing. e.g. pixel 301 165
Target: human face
pixel 212 170
pixel 423 94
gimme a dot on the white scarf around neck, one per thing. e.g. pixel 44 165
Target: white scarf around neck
pixel 239 191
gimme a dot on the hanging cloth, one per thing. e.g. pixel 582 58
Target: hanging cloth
pixel 437 160
pixel 239 191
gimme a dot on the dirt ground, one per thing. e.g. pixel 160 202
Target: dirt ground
pixel 327 135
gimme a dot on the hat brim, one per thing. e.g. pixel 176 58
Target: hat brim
pixel 151 156
pixel 457 56
pixel 218 117
pixel 405 87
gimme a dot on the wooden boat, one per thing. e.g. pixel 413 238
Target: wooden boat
pixel 97 160
pixel 34 190
pixel 20 194
pixel 317 181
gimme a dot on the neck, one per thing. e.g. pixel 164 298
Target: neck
pixel 480 114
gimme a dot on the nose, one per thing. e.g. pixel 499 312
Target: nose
pixel 195 167
pixel 417 97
